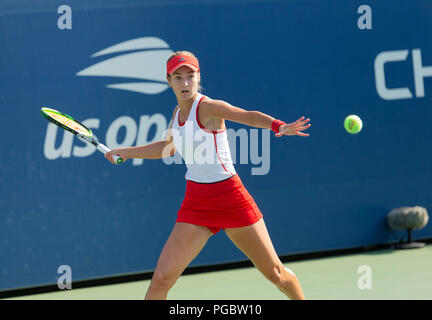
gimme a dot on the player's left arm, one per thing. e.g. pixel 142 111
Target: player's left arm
pixel 223 110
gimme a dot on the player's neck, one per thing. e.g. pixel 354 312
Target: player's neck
pixel 186 105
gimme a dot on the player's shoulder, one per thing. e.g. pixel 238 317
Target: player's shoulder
pixel 207 103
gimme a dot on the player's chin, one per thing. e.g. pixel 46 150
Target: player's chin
pixel 186 94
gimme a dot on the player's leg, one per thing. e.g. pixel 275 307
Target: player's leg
pixel 183 245
pixel 254 241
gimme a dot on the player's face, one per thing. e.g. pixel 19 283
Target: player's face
pixel 184 82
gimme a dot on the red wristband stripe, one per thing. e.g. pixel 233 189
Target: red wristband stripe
pixel 276 124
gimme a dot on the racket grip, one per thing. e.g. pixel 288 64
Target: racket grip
pixel 104 149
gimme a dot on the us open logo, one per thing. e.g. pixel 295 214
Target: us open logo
pixel 146 66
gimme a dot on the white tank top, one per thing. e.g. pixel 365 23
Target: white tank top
pixel 206 153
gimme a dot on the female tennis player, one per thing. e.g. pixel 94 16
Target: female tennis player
pixel 215 196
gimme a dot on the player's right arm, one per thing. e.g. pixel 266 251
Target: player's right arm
pixel 156 150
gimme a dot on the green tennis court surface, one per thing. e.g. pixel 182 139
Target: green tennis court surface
pixel 395 274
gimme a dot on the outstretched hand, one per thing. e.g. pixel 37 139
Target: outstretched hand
pixel 295 128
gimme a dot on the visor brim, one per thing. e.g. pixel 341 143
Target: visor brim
pixel 194 68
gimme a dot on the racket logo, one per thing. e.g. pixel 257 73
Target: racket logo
pixel 68 123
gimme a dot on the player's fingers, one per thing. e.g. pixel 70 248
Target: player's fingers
pixel 303 127
pixel 300 119
pixel 302 134
pixel 109 156
pixel 304 122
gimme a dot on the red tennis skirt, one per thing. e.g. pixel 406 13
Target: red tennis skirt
pixel 219 205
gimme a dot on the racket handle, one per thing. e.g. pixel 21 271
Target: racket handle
pixel 104 149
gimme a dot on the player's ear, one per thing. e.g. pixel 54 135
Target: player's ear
pixel 169 81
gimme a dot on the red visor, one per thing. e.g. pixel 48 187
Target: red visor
pixel 182 60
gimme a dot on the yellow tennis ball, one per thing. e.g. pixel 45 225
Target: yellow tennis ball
pixel 353 124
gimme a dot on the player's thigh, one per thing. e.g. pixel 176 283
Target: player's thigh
pixel 254 241
pixel 183 245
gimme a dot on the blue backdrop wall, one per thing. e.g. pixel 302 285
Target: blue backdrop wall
pixel 62 203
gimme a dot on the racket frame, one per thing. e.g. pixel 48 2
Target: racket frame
pixel 90 137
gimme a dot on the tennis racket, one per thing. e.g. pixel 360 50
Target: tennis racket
pixel 68 123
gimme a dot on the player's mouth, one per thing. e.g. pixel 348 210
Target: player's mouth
pixel 185 91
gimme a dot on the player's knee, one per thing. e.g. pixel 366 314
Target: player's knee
pixel 290 272
pixel 282 276
pixel 275 275
pixel 161 280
